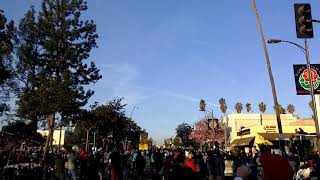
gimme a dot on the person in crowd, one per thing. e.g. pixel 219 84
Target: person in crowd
pixel 71 166
pixel 190 161
pixel 115 164
pixel 134 156
pixel 215 164
pixel 300 174
pixel 316 162
pixel 243 173
pixel 59 167
pixel 93 169
pixel 179 170
pixel 151 160
pixel 140 165
pixel 274 167
pixel 229 166
pixel 125 164
pixel 158 160
pixel 83 159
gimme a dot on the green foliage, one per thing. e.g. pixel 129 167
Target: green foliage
pixel 7 35
pixel 23 131
pixel 238 107
pixel 248 107
pixel 176 141
pixel 108 120
pixel 51 50
pixel 291 109
pixel 4 108
pixel 183 131
pixel 223 105
pixel 262 107
pixel 6 48
pixel 280 109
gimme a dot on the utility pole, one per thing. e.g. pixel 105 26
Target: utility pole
pixel 274 94
pixel 315 114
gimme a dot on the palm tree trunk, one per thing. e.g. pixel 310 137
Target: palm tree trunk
pixel 226 137
pixel 260 119
pixel 273 87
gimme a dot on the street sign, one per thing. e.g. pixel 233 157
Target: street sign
pixel 212 123
pixel 302 80
pixel 243 132
pixel 144 138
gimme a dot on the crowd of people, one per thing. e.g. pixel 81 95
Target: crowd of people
pixel 159 164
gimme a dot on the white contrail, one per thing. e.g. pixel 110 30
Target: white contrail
pixel 177 95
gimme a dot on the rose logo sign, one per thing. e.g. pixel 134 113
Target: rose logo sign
pixel 304 79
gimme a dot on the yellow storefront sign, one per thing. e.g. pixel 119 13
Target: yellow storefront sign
pixel 143 147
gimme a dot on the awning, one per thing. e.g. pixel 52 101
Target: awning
pixel 243 141
pixel 275 136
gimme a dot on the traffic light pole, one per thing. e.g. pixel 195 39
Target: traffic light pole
pixel 274 94
pixel 315 115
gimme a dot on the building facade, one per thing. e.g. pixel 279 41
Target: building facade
pixel 248 130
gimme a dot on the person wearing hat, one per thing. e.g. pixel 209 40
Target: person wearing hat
pixel 275 167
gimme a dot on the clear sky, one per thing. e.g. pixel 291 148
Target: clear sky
pixel 163 56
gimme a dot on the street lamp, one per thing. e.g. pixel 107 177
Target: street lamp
pixel 274 41
pixel 305 50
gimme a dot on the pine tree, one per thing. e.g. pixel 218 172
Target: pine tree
pixel 7 35
pixel 58 71
pixel 6 48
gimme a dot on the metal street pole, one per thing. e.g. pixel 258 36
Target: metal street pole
pixel 94 139
pixel 226 131
pixel 315 115
pixel 274 94
pixel 60 137
pixel 305 51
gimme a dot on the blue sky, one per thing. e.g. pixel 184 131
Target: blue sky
pixel 164 56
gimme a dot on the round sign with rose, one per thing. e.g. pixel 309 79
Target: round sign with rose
pixel 304 79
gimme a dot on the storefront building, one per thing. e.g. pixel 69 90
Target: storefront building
pixel 247 131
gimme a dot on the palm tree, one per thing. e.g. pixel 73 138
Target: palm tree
pixel 273 88
pixel 290 108
pixel 223 105
pixel 262 108
pixel 280 109
pixel 248 107
pixel 223 109
pixel 238 107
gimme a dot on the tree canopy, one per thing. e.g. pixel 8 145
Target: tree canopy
pixel 52 49
pixel 202 133
pixel 262 107
pixel 7 37
pixel 223 105
pixel 183 131
pixel 238 107
pixel 109 120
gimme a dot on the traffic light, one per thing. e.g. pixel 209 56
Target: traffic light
pixel 303 20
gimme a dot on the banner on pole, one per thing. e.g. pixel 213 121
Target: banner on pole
pixel 302 79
